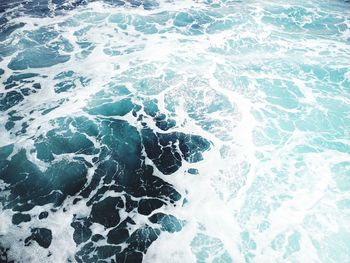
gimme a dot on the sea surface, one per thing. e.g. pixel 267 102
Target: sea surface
pixel 175 131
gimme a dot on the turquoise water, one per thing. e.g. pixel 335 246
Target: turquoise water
pixel 175 131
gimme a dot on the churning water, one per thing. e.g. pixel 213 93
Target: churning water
pixel 175 131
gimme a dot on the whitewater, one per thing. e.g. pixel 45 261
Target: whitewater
pixel 175 131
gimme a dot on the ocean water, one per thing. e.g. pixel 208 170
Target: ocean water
pixel 175 131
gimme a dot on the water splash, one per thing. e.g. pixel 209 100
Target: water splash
pixel 200 131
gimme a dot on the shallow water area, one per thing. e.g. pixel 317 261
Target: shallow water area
pixel 174 131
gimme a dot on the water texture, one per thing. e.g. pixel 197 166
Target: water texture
pixel 175 131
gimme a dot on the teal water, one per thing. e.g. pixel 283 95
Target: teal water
pixel 175 131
